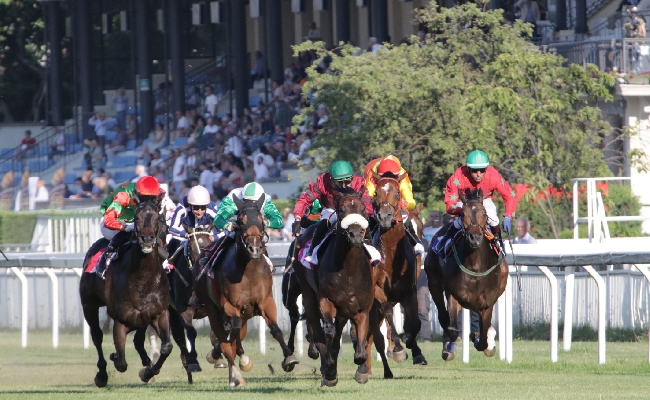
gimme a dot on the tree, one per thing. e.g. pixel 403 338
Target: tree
pixel 476 83
pixel 22 49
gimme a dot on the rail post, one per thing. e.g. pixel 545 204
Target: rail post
pixel 79 271
pixel 23 318
pixel 466 330
pixel 552 280
pixel 55 306
pixel 601 311
pixel 569 285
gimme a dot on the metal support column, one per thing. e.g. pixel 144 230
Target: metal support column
pixel 142 34
pixel 176 55
pixel 342 21
pixel 273 19
pixel 83 38
pixel 241 70
pixel 54 34
pixel 379 20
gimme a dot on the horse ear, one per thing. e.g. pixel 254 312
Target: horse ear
pixel 188 228
pixel 136 198
pixel 376 176
pixel 462 196
pixel 479 195
pixel 401 176
pixel 238 202
pixel 260 202
pixel 419 208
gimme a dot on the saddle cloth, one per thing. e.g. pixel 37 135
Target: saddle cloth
pixel 448 250
pixel 92 263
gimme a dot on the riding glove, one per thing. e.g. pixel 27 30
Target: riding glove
pixel 129 227
pixel 296 228
pixel 507 225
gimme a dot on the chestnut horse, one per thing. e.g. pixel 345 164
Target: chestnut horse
pixel 474 277
pixel 137 289
pixel 398 271
pixel 244 288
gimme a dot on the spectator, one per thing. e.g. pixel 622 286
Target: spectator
pixel 195 99
pixel 42 194
pixel 523 235
pixel 206 177
pixel 508 19
pixel 100 188
pixel 529 12
pixel 424 307
pixel 373 46
pixel 261 169
pixel 182 122
pixel 432 226
pixel 101 125
pixel 121 102
pixel 179 173
pixel 157 174
pixel 140 171
pixel 118 144
pixel 26 145
pixel 156 140
pixel 259 71
pixel 58 147
pixel 109 178
pixel 287 231
pixel 94 155
pixel 85 186
pixel 190 160
pixel 156 159
pixel 314 32
pixel 211 102
pixel 130 127
pixel 234 145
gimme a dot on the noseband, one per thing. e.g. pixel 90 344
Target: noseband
pixel 347 221
pixel 465 229
pixel 242 228
pixel 397 214
pixel 193 235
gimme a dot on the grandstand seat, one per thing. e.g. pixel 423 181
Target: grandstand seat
pixel 125 161
pixel 5 167
pixel 254 101
pixel 180 142
pixel 17 179
pixel 41 150
pixel 131 145
pixel 123 176
pixel 34 165
pixel 110 136
pixel 70 179
pixel 17 166
pixel 110 124
pixel 7 152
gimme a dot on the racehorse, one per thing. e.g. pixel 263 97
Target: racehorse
pixel 398 270
pixel 346 289
pixel 240 289
pixel 474 277
pixel 181 310
pixel 93 296
pixel 137 289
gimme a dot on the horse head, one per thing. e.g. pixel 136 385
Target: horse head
pixel 474 217
pixel 414 216
pixel 147 224
pixel 352 216
pixel 387 201
pixel 250 226
pixel 197 240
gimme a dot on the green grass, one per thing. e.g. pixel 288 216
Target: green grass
pixel 67 373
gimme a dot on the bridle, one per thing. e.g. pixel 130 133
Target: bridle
pixel 190 236
pixel 464 228
pixel 397 214
pixel 136 232
pixel 339 218
pixel 263 237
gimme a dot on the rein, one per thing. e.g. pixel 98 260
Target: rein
pixel 397 215
pixel 472 273
pixel 194 235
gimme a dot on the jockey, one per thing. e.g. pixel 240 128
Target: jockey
pixel 228 209
pixel 390 167
pixel 340 178
pixel 119 211
pixel 477 174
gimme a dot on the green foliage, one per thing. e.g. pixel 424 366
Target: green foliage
pixel 9 221
pixel 584 333
pixel 475 84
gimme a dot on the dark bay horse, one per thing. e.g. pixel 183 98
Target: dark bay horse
pixel 399 270
pixel 474 277
pixel 181 310
pixel 244 288
pixel 137 289
pixel 346 290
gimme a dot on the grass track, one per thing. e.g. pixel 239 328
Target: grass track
pixel 67 373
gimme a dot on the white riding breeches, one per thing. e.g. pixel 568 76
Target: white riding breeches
pixel 490 209
pixel 107 233
pixel 329 214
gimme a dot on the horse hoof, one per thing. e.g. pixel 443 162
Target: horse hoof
pixel 452 334
pixel 312 353
pixel 289 363
pixel 145 375
pixel 328 383
pixel 400 356
pixel 490 352
pixel 389 353
pixel 245 363
pixel 361 378
pixel 153 380
pixel 112 357
pixel 220 363
pixel 209 358
pixel 388 375
pixel 101 382
pixel 238 383
pixel 193 368
pixel 419 360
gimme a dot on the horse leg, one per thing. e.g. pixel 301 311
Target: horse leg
pixel 186 318
pixel 91 314
pixel 269 313
pixel 312 351
pixel 245 362
pixel 487 343
pixel 328 313
pixel 436 288
pixel 361 320
pixel 154 351
pixel 138 342
pixel 162 326
pixel 234 376
pixel 119 338
pixel 179 337
pixel 376 319
pixel 451 333
pixel 215 356
pixel 412 325
pixel 399 354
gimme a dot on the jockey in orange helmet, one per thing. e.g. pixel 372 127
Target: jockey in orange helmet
pixel 389 166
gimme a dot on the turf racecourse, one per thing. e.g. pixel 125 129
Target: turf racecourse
pixel 67 373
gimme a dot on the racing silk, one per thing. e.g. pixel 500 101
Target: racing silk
pixel 190 220
pixel 228 209
pixel 175 228
pixel 492 181
pixel 405 187
pixel 168 206
pixel 321 189
pixel 119 207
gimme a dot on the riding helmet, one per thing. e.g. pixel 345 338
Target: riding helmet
pixel 477 159
pixel 252 191
pixel 198 196
pixel 147 186
pixel 388 165
pixel 341 169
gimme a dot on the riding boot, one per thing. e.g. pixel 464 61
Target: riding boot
pixel 413 238
pixel 496 231
pixel 110 253
pixel 319 234
pixel 438 245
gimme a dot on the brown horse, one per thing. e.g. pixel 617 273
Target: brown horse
pixel 137 289
pixel 243 289
pixel 474 277
pixel 399 270
pixel 346 289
